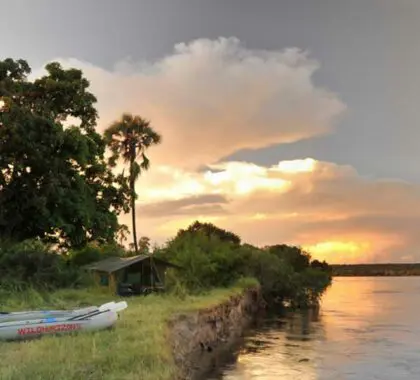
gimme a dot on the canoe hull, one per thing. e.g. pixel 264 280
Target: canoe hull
pixel 27 315
pixel 24 331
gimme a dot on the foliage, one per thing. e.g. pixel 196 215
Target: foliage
pixel 210 229
pixel 206 261
pixel 321 265
pixel 32 263
pixel 382 269
pixel 54 180
pixel 247 283
pixel 94 251
pixel 274 275
pixel 209 260
pixel 144 247
pixel 128 139
pixel 296 257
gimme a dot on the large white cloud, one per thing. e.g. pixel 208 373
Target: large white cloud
pixel 210 98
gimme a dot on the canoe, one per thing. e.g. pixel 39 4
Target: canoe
pixel 40 314
pixel 92 319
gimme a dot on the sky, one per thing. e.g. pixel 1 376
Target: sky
pixel 285 121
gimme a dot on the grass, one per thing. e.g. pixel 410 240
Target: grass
pixel 136 349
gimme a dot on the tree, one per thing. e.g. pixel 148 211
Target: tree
pixel 324 266
pixel 144 246
pixel 55 183
pixel 295 256
pixel 128 139
pixel 206 261
pixel 93 251
pixel 210 229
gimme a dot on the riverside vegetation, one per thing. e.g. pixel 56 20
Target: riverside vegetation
pixel 60 199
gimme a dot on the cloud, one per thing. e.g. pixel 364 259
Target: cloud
pixel 210 98
pixel 208 204
pixel 329 209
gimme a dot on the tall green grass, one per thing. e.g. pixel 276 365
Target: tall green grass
pixel 137 348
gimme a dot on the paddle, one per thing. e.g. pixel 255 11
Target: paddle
pixel 112 306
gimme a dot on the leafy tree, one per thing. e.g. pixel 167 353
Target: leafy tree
pixel 210 229
pixel 315 282
pixel 128 139
pixel 144 246
pixel 274 275
pixel 212 257
pixel 206 261
pixel 93 251
pixel 295 256
pixel 31 263
pixel 324 266
pixel 54 180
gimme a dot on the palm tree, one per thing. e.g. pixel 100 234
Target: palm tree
pixel 128 139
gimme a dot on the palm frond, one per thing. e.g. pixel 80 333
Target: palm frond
pixel 135 170
pixel 145 163
pixel 131 136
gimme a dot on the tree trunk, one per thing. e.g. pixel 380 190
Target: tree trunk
pixel 133 199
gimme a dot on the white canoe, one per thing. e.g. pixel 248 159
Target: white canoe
pixel 40 314
pixel 98 319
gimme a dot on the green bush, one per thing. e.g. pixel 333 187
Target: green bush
pixel 32 263
pixel 247 282
pixel 93 251
pixel 295 256
pixel 208 256
pixel 285 273
pixel 206 261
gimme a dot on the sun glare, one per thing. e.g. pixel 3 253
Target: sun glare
pixel 297 166
pixel 259 216
pixel 339 251
pixel 243 178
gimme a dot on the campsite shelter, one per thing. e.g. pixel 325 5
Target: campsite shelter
pixel 140 273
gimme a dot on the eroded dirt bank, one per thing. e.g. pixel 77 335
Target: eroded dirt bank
pixel 199 339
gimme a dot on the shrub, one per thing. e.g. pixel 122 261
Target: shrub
pixel 32 263
pixel 209 257
pixel 94 251
pixel 285 273
pixel 206 261
pixel 295 256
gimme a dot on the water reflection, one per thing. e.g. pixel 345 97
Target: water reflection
pixel 283 345
pixel 367 328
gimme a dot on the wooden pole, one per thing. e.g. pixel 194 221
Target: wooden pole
pixel 151 273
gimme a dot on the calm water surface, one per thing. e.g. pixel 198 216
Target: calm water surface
pixel 367 328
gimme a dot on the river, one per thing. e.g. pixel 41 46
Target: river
pixel 367 328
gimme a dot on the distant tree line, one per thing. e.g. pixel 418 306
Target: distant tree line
pixel 385 269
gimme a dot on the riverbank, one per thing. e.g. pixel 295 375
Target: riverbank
pixel 200 339
pixel 141 346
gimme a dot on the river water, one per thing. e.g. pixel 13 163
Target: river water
pixel 367 328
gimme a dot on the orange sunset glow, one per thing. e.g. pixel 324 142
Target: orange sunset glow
pixel 328 208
